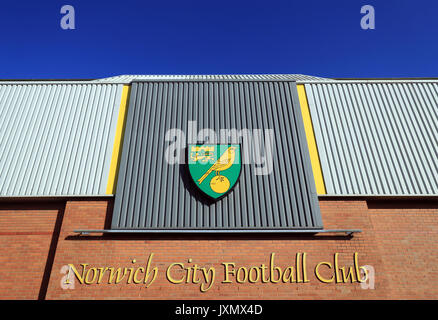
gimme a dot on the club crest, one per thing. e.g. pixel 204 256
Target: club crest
pixel 214 168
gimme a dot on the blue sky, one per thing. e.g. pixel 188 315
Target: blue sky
pixel 322 38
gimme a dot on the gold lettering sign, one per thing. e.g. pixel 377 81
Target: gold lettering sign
pixel 189 272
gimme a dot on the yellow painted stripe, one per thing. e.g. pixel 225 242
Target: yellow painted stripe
pixel 311 141
pixel 117 150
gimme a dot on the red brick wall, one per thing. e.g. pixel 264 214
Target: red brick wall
pixel 25 237
pixel 398 239
pixel 407 233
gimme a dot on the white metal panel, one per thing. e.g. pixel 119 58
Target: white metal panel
pixel 377 138
pixel 290 77
pixel 56 139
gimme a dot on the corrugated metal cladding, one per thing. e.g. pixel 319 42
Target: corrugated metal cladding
pixel 377 138
pixel 56 139
pixel 151 194
pixel 144 77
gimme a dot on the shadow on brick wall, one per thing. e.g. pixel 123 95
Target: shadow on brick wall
pixel 209 237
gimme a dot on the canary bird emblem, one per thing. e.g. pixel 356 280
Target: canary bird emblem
pixel 215 169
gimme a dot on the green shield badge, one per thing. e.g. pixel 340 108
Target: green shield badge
pixel 214 168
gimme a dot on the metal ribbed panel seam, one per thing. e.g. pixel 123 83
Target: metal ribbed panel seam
pixel 236 77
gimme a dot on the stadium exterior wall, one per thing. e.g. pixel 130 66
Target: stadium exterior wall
pixel 43 258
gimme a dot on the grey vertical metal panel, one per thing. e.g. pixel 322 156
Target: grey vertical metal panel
pixel 152 194
pixel 377 138
pixel 56 139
